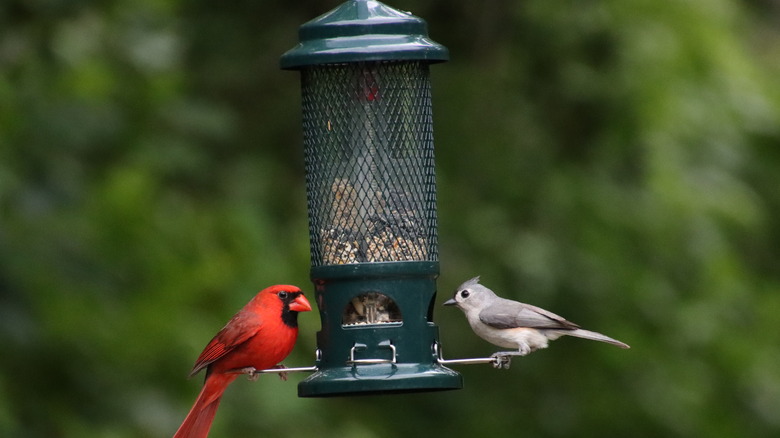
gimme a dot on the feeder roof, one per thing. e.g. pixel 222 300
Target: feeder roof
pixel 363 30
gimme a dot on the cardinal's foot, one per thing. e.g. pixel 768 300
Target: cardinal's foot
pixel 282 375
pixel 251 372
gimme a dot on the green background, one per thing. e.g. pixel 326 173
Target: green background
pixel 616 162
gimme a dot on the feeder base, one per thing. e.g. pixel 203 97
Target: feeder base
pixel 379 379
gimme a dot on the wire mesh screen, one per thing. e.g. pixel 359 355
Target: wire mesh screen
pixel 368 144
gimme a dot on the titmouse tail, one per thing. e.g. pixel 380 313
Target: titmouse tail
pixel 587 334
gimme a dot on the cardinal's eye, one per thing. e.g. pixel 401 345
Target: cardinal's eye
pixel 464 294
pixel 282 294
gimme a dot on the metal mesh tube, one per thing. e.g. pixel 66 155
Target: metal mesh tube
pixel 368 145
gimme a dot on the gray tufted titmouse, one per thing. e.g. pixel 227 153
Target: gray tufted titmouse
pixel 511 324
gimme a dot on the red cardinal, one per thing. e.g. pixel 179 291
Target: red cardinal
pixel 258 337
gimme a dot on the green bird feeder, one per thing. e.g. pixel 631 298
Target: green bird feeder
pixel 371 191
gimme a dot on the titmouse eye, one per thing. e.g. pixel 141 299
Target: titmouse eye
pixel 464 294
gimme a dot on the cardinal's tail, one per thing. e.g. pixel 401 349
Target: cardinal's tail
pixel 198 421
pixel 587 334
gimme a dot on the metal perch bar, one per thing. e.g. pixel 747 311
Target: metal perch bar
pixel 499 361
pixel 310 369
pixel 251 371
pixel 496 361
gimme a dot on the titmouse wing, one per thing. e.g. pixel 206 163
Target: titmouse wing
pixel 505 314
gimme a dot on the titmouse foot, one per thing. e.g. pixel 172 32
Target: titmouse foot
pixel 503 359
pixel 282 375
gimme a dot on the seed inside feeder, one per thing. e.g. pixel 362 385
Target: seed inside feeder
pixel 371 308
pixel 371 226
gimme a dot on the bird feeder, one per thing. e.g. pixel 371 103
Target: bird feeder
pixel 371 191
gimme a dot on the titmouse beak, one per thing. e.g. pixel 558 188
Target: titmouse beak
pixel 450 302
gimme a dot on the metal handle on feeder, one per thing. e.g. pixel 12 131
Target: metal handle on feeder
pixel 358 346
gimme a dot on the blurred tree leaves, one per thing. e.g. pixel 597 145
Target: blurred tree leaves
pixel 613 161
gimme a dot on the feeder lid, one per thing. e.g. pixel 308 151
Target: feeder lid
pixel 363 30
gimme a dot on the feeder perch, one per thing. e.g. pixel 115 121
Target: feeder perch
pixel 371 192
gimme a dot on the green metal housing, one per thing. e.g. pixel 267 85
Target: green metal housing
pixel 363 30
pixel 370 185
pixel 412 286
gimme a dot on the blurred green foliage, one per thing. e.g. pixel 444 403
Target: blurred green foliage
pixel 614 161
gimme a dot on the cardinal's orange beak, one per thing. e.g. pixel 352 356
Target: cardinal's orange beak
pixel 300 304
